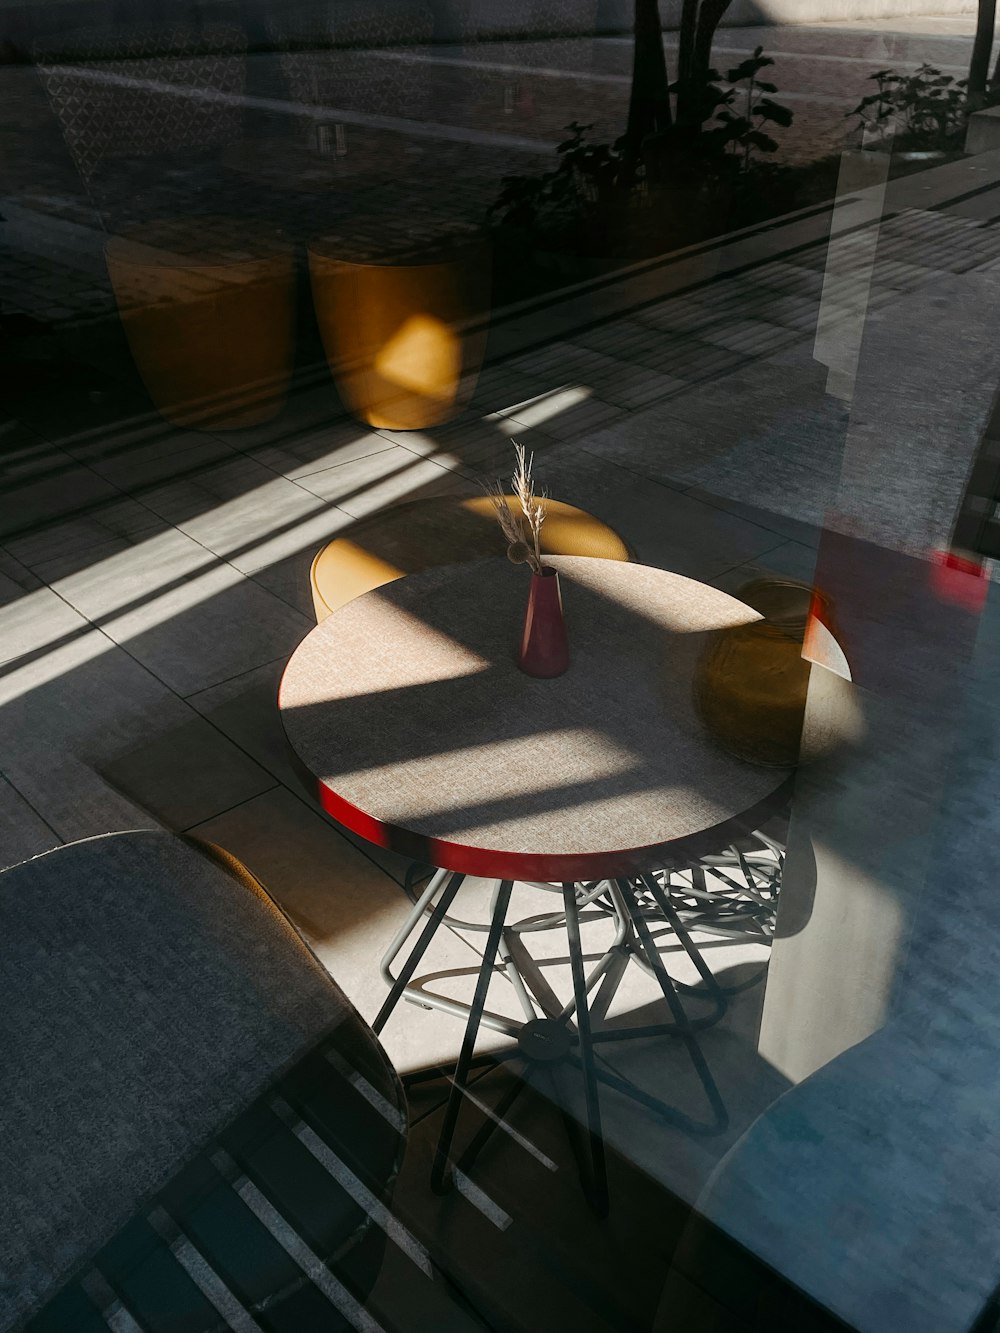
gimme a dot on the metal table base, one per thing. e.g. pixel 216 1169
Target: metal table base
pixel 551 1034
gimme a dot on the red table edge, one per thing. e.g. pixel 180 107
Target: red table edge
pixel 545 866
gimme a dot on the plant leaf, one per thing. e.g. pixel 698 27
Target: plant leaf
pixel 745 70
pixel 762 141
pixel 768 110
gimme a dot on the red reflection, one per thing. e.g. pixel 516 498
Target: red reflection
pixel 958 580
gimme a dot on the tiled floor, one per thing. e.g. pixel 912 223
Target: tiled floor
pixel 153 582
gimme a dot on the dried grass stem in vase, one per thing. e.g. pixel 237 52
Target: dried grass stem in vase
pixel 544 651
pixel 521 530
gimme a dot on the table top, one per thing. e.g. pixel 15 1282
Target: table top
pixel 408 706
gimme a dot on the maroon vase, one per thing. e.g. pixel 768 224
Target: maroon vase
pixel 544 650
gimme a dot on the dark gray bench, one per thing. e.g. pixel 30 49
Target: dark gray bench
pixel 198 1130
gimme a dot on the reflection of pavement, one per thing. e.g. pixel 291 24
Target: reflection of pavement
pixel 408 140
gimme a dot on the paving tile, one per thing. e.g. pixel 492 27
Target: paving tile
pixel 186 773
pixel 32 622
pixel 390 477
pixel 188 498
pixel 23 452
pixel 64 712
pixel 240 510
pixel 760 295
pixel 246 710
pixel 611 379
pixel 308 405
pixel 688 314
pixel 567 413
pixel 784 308
pixel 789 560
pixel 791 276
pixel 472 445
pixel 55 549
pixel 63 486
pixel 750 337
pixel 39 481
pixel 134 466
pixel 784 525
pixel 348 910
pixel 662 526
pixel 303 450
pixel 938 240
pixel 770 439
pixel 503 384
pixel 17 578
pixel 23 832
pixel 678 355
pixel 289 578
pixel 460 446
pixel 697 313
pixel 190 618
pixel 9 590
pixel 72 796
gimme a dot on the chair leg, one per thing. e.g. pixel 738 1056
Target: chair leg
pixel 439 1171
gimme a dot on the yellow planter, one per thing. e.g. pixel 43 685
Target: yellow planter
pixel 404 341
pixel 208 307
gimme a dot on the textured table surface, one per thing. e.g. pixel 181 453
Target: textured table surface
pixel 409 707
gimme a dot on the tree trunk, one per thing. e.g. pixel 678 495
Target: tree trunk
pixel 685 55
pixel 982 49
pixel 710 16
pixel 699 20
pixel 649 105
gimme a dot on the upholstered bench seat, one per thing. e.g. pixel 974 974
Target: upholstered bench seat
pixel 201 1131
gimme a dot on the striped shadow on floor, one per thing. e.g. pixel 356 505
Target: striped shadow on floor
pixel 279 1225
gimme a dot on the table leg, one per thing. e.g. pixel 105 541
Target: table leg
pixel 682 1026
pixel 596 1187
pixel 501 901
pixel 713 988
pixel 492 1120
pixel 633 938
pixel 399 984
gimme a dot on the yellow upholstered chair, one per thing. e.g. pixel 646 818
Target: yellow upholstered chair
pixel 448 530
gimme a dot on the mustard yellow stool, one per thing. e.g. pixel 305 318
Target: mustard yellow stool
pixel 208 308
pixel 424 533
pixel 404 340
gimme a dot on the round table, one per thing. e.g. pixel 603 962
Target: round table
pixel 408 706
